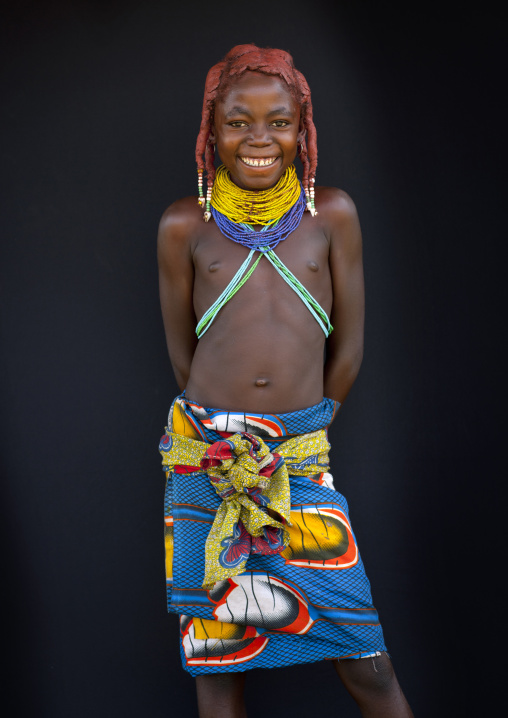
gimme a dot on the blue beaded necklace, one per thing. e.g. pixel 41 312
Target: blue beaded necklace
pixel 270 235
pixel 264 242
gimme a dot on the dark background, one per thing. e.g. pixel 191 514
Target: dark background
pixel 100 110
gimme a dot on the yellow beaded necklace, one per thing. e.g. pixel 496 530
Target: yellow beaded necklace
pixel 262 207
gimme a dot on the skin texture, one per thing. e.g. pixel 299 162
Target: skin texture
pixel 264 351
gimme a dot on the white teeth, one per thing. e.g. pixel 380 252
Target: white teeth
pixel 258 163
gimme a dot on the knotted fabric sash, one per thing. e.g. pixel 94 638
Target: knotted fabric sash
pixel 249 479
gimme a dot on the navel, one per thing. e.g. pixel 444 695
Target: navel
pixel 261 382
pixel 312 266
pixel 214 266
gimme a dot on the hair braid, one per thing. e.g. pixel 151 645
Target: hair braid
pixel 269 61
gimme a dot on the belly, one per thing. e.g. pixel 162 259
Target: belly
pixel 262 365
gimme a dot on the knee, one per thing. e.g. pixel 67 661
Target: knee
pixel 374 675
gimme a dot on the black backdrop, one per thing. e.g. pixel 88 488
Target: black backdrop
pixel 100 110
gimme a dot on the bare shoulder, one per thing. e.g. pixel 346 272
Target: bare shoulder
pixel 336 206
pixel 180 222
pixel 338 217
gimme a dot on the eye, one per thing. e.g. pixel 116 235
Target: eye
pixel 237 123
pixel 280 123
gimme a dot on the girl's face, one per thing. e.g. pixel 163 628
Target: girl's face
pixel 256 130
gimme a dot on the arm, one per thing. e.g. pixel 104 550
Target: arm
pixel 345 345
pixel 176 281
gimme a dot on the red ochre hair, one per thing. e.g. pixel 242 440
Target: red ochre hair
pixel 241 59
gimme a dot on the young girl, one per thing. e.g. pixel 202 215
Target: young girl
pixel 262 563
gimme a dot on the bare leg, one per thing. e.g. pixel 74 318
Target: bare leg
pixel 374 686
pixel 220 695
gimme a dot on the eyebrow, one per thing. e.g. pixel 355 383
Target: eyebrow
pixel 238 110
pixel 282 111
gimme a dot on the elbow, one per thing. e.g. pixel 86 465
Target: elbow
pixel 181 372
pixel 181 376
pixel 345 362
pixel 350 368
pixel 341 374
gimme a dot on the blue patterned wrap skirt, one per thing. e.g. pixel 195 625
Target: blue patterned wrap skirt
pixel 310 602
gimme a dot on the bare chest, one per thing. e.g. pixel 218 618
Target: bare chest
pixel 217 260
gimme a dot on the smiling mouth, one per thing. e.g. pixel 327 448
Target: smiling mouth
pixel 259 162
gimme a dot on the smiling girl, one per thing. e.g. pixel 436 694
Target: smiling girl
pixel 255 278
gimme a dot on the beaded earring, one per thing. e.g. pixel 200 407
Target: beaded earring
pixel 310 196
pixel 312 191
pixel 308 187
pixel 208 213
pixel 201 199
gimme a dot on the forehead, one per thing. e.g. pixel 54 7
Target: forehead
pixel 254 89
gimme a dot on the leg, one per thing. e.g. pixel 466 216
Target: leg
pixel 220 695
pixel 374 686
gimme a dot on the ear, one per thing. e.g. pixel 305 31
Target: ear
pixel 211 137
pixel 301 132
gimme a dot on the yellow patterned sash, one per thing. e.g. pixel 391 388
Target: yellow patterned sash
pixel 303 455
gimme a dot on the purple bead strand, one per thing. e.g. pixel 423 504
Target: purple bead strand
pixel 267 239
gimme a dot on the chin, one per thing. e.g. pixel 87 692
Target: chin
pixel 250 178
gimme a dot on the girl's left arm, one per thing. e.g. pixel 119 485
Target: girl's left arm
pixel 344 350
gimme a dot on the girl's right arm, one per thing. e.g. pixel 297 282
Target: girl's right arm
pixel 176 282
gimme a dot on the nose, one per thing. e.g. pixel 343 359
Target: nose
pixel 259 136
